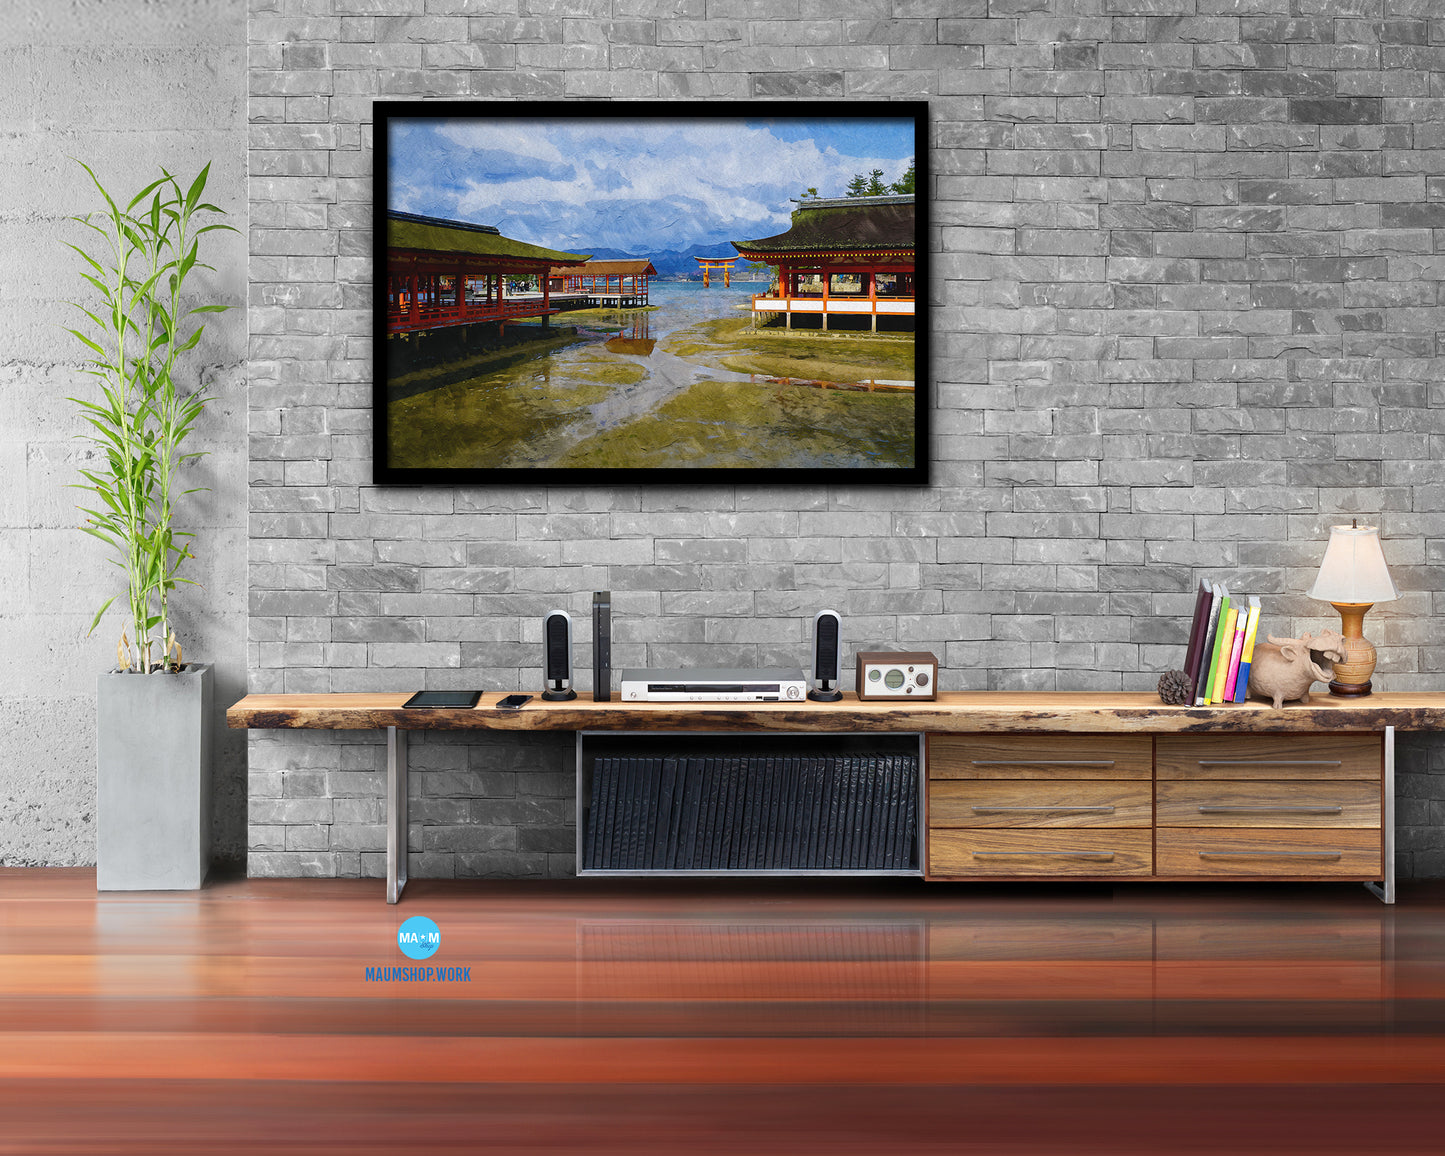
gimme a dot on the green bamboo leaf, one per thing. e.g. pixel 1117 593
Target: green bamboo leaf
pixel 193 194
pixel 144 193
pixel 79 336
pixel 99 614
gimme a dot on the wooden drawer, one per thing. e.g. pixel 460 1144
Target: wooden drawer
pixel 1039 853
pixel 1040 756
pixel 1039 803
pixel 1260 852
pixel 1269 757
pixel 1258 803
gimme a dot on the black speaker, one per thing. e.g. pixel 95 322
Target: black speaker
pixel 827 656
pixel 602 646
pixel 557 656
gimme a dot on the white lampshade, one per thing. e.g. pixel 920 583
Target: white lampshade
pixel 1354 568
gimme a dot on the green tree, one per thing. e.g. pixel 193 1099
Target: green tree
pixel 858 186
pixel 904 184
pixel 876 187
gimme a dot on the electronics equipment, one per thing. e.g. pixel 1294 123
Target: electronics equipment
pixel 442 698
pixel 885 675
pixel 827 656
pixel 513 701
pixel 602 646
pixel 776 685
pixel 557 656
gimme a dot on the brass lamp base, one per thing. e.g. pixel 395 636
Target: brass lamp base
pixel 1352 676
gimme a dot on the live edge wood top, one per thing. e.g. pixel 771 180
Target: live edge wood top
pixel 970 711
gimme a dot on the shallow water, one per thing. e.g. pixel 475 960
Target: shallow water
pixel 618 400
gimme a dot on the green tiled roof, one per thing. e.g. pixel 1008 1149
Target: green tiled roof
pixel 866 224
pixel 406 231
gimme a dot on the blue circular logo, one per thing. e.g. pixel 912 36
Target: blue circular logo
pixel 418 938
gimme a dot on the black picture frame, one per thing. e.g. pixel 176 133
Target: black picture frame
pixel 401 299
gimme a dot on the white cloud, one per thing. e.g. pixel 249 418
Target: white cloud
pixel 631 184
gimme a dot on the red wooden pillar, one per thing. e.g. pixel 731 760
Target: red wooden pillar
pixel 415 310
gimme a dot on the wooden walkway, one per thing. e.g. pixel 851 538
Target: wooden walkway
pixel 666 1016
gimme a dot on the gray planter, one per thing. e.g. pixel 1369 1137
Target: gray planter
pixel 153 780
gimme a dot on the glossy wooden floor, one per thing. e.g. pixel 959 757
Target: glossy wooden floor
pixel 718 1017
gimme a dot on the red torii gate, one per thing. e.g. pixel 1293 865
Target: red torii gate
pixel 710 263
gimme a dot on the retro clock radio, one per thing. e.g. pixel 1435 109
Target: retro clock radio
pixel 886 675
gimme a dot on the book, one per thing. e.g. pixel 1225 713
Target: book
pixel 1201 681
pixel 1246 657
pixel 1219 670
pixel 691 813
pixel 1235 652
pixel 651 812
pixel 1197 627
pixel 662 834
pixel 1202 659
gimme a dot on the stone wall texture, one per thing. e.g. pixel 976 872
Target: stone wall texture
pixel 126 86
pixel 1187 268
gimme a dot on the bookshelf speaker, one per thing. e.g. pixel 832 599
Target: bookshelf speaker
pixel 827 656
pixel 557 656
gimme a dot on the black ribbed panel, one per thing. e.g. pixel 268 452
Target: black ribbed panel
pixel 753 812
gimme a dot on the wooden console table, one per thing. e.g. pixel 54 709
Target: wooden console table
pixel 1001 804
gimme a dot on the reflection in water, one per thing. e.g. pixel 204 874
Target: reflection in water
pixel 640 346
pixel 615 399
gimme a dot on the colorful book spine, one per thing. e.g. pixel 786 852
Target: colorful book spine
pixel 1211 659
pixel 1202 674
pixel 1246 658
pixel 1196 628
pixel 1239 626
pixel 1220 671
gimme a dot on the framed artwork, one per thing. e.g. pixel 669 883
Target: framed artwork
pixel 577 292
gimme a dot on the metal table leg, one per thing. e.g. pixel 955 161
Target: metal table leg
pixel 1385 891
pixel 396 818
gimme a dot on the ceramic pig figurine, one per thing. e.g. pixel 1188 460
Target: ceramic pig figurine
pixel 1285 668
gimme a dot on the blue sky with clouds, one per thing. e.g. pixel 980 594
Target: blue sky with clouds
pixel 642 186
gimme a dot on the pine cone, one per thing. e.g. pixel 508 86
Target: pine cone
pixel 1176 688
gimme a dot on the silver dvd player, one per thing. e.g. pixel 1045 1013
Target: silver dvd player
pixel 779 685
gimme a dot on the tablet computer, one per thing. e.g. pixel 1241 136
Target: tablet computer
pixel 435 698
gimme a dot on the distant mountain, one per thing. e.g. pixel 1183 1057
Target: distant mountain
pixel 669 263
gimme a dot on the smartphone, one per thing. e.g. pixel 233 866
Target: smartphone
pixel 514 701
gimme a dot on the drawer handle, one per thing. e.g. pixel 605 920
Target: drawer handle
pixel 1043 762
pixel 1270 763
pixel 1102 810
pixel 1221 810
pixel 1094 856
pixel 1271 854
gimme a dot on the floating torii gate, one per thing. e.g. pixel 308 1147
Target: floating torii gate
pixel 723 263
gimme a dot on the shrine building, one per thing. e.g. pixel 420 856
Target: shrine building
pixel 441 274
pixel 622 282
pixel 843 257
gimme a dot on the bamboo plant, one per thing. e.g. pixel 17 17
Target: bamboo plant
pixel 139 261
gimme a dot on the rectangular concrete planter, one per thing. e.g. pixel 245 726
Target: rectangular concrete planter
pixel 153 780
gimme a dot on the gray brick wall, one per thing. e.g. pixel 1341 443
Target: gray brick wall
pixel 126 86
pixel 1187 266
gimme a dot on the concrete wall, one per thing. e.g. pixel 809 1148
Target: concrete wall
pixel 127 86
pixel 1187 312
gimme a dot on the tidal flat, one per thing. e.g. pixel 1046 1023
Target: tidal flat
pixel 686 383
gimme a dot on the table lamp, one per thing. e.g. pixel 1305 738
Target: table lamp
pixel 1352 578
